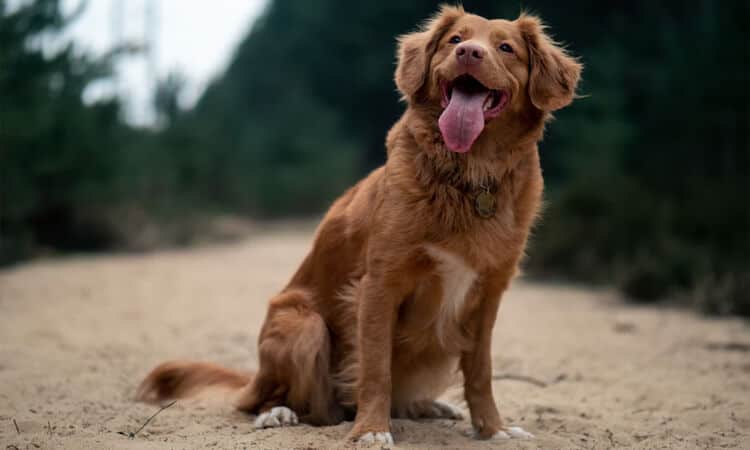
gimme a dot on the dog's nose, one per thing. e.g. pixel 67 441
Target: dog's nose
pixel 469 54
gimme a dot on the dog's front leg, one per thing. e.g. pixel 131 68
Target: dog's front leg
pixel 476 365
pixel 378 302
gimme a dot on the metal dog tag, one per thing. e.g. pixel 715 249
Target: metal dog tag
pixel 485 204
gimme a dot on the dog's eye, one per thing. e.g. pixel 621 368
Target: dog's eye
pixel 506 48
pixel 455 39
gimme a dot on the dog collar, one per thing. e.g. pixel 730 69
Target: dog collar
pixel 483 197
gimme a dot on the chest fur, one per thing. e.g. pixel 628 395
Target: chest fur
pixel 456 279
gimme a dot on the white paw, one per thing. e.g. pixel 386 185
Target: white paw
pixel 446 410
pixel 278 416
pixel 512 433
pixel 371 438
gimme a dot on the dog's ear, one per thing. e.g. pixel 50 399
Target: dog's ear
pixel 415 50
pixel 553 74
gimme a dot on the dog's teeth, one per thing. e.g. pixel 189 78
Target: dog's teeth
pixel 488 103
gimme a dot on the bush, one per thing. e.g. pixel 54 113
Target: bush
pixel 724 294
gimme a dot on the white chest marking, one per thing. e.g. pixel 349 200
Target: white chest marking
pixel 456 280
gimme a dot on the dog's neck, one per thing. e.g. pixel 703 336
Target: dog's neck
pixel 454 181
pixel 496 152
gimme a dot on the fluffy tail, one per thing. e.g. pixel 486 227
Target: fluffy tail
pixel 181 379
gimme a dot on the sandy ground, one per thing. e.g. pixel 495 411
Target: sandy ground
pixel 77 334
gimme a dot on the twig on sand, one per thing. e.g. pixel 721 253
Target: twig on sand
pixel 524 378
pixel 133 434
pixel 15 424
pixel 731 346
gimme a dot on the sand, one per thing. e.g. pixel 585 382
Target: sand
pixel 77 334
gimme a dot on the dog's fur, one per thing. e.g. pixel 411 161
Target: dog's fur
pixel 402 286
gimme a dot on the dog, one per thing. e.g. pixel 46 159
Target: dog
pixel 399 293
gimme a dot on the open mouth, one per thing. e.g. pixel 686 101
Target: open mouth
pixel 468 105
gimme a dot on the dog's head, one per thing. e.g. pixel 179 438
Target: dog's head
pixel 478 71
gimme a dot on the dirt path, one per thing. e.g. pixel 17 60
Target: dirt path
pixel 76 335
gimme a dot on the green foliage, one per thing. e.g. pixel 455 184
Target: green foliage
pixel 166 98
pixel 653 190
pixel 56 154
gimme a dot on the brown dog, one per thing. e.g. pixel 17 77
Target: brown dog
pixel 404 280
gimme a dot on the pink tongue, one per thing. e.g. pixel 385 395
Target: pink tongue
pixel 462 120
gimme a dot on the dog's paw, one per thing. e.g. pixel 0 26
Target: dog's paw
pixel 443 410
pixel 505 433
pixel 512 433
pixel 429 409
pixel 376 438
pixel 278 416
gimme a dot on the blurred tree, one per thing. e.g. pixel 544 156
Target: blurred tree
pixel 167 98
pixel 654 190
pixel 57 155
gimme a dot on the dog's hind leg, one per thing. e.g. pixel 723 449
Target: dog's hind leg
pixel 429 409
pixel 294 376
